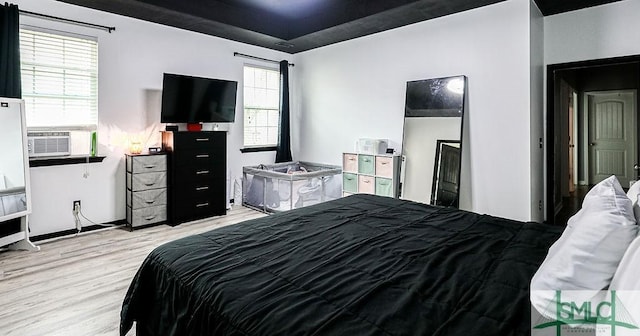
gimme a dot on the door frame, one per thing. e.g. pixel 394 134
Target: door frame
pixel 572 132
pixel 550 120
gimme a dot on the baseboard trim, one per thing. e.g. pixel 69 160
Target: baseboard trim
pixel 70 232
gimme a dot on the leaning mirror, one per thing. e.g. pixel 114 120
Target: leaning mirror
pixel 432 140
pixel 14 201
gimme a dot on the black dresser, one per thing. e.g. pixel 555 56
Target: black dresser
pixel 197 175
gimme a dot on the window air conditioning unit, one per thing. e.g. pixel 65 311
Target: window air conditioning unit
pixel 48 144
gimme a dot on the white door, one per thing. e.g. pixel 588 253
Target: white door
pixel 612 136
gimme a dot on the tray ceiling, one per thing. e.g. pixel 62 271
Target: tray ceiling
pixel 297 25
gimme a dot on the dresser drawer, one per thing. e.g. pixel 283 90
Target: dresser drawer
pixel 350 182
pixel 199 202
pixel 384 187
pixel 146 181
pixel 200 207
pixel 200 189
pixel 350 163
pixel 187 174
pixel 366 164
pixel 199 140
pixel 146 163
pixel 146 198
pixel 366 184
pixel 144 216
pixel 201 157
pixel 384 166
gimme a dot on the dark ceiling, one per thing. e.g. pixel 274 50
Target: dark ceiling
pixel 297 25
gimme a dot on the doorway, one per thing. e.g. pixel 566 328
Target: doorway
pixel 591 130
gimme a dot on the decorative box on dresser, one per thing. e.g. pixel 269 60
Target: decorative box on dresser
pixel 197 174
pixel 146 189
pixel 377 174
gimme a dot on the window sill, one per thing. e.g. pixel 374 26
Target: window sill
pixel 63 160
pixel 258 149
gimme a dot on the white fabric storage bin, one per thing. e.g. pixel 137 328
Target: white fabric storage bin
pixel 146 181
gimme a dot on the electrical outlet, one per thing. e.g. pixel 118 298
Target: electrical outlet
pixel 76 206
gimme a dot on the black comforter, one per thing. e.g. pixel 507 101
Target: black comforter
pixel 361 265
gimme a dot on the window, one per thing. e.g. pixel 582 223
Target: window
pixel 59 79
pixel 261 106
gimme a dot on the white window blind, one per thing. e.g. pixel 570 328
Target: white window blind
pixel 261 106
pixel 59 79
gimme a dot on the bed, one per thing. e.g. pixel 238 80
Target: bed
pixel 359 265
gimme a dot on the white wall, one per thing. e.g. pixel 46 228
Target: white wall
pixel 598 32
pixel 344 92
pixel 356 89
pixel 604 31
pixel 537 112
pixel 132 60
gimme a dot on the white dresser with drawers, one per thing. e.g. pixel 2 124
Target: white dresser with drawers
pixel 146 189
pixel 377 174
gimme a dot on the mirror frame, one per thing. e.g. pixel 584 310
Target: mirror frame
pixel 463 112
pixel 25 162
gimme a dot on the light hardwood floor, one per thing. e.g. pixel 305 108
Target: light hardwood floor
pixel 75 285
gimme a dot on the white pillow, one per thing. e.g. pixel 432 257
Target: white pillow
pixel 627 285
pixel 587 254
pixel 633 194
pixel 627 276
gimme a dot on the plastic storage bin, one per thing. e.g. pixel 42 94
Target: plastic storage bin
pixel 290 185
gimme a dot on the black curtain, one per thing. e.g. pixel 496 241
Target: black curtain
pixel 10 75
pixel 10 51
pixel 283 150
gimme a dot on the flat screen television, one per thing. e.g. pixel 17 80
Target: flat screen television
pixel 187 99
